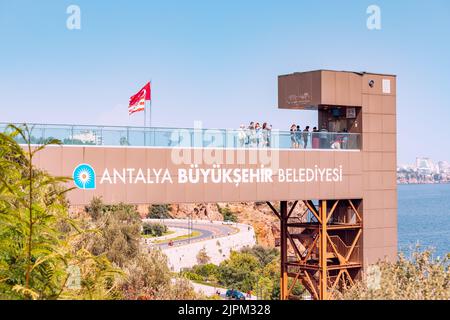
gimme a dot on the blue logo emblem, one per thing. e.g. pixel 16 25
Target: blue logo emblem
pixel 84 177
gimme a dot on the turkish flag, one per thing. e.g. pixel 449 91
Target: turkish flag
pixel 137 102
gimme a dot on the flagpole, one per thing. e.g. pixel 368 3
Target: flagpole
pixel 150 105
pixel 145 125
pixel 145 116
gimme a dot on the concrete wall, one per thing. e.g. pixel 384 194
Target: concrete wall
pixel 62 160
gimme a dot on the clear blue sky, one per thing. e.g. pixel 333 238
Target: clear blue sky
pixel 218 61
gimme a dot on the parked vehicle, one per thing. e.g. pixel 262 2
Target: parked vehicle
pixel 234 294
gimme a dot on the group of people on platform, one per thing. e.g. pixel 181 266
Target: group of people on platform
pixel 255 135
pixel 299 137
pixel 323 139
pixel 260 136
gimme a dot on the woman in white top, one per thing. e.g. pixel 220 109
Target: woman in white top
pixel 241 136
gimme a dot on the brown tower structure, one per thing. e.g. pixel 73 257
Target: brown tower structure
pixel 340 237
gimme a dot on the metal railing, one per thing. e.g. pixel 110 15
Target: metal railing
pixel 189 137
pixel 343 249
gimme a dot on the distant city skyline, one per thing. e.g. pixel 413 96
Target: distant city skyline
pixel 218 62
pixel 426 162
pixel 424 170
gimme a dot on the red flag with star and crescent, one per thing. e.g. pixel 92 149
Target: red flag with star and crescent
pixel 138 101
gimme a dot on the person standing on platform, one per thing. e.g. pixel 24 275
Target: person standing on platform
pixel 258 135
pixel 315 138
pixel 305 137
pixel 265 135
pixel 344 139
pixel 293 140
pixel 242 136
pixel 323 135
pixel 250 130
pixel 298 137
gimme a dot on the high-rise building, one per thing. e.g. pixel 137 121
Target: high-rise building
pixel 424 166
pixel 444 167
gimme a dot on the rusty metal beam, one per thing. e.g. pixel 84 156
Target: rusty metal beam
pixel 294 245
pixel 273 209
pixel 354 209
pixel 349 277
pixel 323 251
pixel 337 280
pixel 313 244
pixel 332 210
pixel 338 255
pixel 292 209
pixel 313 210
pixel 350 251
pixel 293 283
pixel 283 249
pixel 315 293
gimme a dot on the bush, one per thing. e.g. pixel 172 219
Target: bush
pixel 202 257
pixel 159 211
pixel 119 231
pixel 421 277
pixel 206 270
pixel 264 255
pixel 193 276
pixel 149 277
pixel 228 215
pixel 154 229
pixel 240 271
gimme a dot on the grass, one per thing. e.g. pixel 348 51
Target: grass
pixel 183 237
pixel 152 236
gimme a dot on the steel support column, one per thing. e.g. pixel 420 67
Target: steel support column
pixel 283 246
pixel 325 247
pixel 323 292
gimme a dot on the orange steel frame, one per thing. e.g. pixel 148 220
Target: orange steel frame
pixel 320 264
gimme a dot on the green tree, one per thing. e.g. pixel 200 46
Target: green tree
pixel 208 270
pixel 96 208
pixel 36 256
pixel 264 255
pixel 159 211
pixel 154 229
pixel 149 277
pixel 264 288
pixel 118 231
pixel 227 214
pixel 240 271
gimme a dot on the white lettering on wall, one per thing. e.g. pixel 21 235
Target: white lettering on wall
pixel 216 174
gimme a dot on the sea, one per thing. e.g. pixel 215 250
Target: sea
pixel 424 217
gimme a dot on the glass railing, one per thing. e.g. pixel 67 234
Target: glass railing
pixel 189 137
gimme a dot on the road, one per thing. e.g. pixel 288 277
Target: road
pixel 206 229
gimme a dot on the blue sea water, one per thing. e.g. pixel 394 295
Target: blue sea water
pixel 424 217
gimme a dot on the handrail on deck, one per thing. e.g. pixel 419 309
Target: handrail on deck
pixel 189 137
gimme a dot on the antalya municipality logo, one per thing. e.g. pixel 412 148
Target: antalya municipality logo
pixel 84 177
